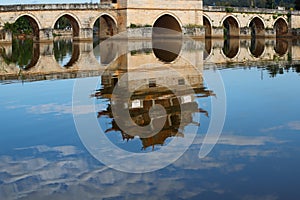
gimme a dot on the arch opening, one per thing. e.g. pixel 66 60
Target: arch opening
pixel 207 26
pixel 231 48
pixel 167 26
pixel 281 27
pixel 104 27
pixel 66 25
pixel 257 27
pixel 231 27
pixel 257 47
pixel 26 26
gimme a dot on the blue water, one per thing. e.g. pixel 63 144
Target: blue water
pixel 256 157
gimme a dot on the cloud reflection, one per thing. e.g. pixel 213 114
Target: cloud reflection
pixel 59 109
pixel 293 125
pixel 65 172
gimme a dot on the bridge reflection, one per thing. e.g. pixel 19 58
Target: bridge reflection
pixel 62 56
pixel 152 91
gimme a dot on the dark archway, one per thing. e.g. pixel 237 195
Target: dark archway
pixel 166 26
pixel 281 27
pixel 231 27
pixel 104 27
pixel 67 25
pixel 257 47
pixel 207 25
pixel 168 48
pixel 281 47
pixel 231 47
pixel 27 25
pixel 257 27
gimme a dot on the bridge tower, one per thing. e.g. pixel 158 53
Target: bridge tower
pixel 180 15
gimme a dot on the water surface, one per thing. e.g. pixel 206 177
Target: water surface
pixel 256 157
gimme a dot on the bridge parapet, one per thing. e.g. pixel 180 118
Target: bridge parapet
pixel 39 7
pixel 243 10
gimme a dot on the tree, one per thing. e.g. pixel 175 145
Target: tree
pixel 270 4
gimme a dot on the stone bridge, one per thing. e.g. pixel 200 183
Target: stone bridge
pixel 186 16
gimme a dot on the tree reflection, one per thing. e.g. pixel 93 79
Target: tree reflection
pixel 66 53
pixel 22 53
pixel 275 70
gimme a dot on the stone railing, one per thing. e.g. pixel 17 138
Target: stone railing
pixel 27 7
pixel 243 10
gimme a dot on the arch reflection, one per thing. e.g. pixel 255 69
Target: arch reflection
pixel 105 55
pixel 166 50
pixel 66 52
pixel 281 47
pixel 231 47
pixel 25 53
pixel 257 47
pixel 208 48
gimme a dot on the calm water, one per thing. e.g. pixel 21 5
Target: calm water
pixel 256 156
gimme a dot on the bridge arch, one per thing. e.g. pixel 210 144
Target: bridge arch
pixel 107 25
pixel 74 21
pixel 231 26
pixel 169 21
pixel 34 23
pixel 207 23
pixel 257 26
pixel 281 26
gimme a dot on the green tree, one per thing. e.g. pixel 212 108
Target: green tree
pixel 62 23
pixel 22 25
pixel 270 4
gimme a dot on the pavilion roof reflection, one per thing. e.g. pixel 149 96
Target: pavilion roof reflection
pixel 179 109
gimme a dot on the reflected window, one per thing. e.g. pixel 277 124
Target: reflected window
pixel 152 83
pixel 181 81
